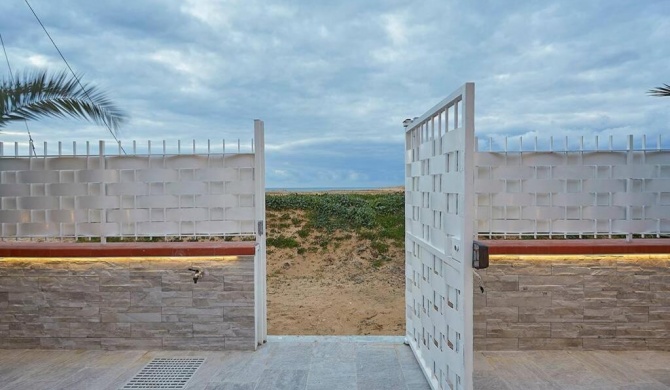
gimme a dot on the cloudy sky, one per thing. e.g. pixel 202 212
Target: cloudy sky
pixel 334 80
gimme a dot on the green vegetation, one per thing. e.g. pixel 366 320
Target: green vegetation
pixel 40 94
pixel 282 242
pixel 332 218
pixel 373 216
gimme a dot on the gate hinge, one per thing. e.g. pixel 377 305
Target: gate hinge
pixel 260 228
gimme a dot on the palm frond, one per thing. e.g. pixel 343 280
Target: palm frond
pixel 38 94
pixel 660 91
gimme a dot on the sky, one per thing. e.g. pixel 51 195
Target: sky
pixel 333 80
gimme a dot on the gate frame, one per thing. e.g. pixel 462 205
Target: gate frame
pixel 466 94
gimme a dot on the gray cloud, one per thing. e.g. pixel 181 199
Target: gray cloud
pixel 333 81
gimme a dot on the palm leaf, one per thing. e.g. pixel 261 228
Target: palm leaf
pixel 38 94
pixel 660 91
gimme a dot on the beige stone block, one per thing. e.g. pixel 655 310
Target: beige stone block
pixel 70 343
pixel 222 298
pixel 520 267
pixel 177 282
pixel 479 299
pixel 648 266
pixel 71 299
pixel 159 264
pixel 19 313
pixel 660 298
pixel 479 328
pixel 177 298
pixel 479 343
pixel 49 329
pixel 238 314
pixel 634 298
pixel 240 343
pixel 171 329
pixel 226 329
pixel 518 298
pixel 659 313
pixel 207 284
pixel 69 314
pixel 568 298
pixel 568 330
pixel 500 314
pixel 658 344
pixel 551 283
pixel 113 344
pixel 593 293
pixel 69 283
pixel 196 343
pixel 499 282
pixel 192 314
pixel 618 282
pixel 4 330
pixel 659 282
pixel 615 344
pixel 131 314
pixel 213 329
pixel 4 297
pixel 96 267
pixel 33 298
pixel 115 281
pixel 599 298
pixel 517 330
pixel 99 329
pixel 238 283
pixel 652 330
pixel 120 299
pixel 145 280
pixel 45 267
pixel 19 284
pixel 20 343
pixel 584 266
pixel 500 344
pixel 551 314
pixel 549 344
pixel 617 314
pixel 146 298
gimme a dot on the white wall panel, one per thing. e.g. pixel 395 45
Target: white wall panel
pixel 439 230
pixel 573 192
pixel 127 195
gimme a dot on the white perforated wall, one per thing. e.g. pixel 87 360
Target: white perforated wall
pixel 439 231
pixel 573 192
pixel 128 195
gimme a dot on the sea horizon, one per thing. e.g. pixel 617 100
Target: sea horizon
pixel 326 189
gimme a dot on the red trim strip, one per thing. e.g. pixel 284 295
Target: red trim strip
pixel 577 247
pixel 127 249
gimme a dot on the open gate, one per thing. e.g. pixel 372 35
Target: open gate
pixel 439 217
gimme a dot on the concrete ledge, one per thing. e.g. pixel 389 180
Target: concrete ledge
pixel 577 247
pixel 126 249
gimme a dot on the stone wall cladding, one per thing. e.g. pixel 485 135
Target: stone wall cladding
pixel 134 303
pixel 574 302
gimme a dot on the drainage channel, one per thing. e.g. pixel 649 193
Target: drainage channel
pixel 165 374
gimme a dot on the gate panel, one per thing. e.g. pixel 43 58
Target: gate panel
pixel 439 210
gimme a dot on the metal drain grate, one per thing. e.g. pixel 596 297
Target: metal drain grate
pixel 165 374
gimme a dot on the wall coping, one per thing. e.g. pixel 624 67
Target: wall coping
pixel 126 249
pixel 578 247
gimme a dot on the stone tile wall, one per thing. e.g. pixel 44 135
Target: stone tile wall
pixel 574 302
pixel 131 303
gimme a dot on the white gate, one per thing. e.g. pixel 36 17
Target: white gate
pixel 439 216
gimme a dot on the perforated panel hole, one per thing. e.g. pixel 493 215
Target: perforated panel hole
pixel 165 374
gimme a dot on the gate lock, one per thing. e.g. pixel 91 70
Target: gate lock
pixel 480 255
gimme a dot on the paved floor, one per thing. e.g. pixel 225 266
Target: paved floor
pixel 283 363
pixel 337 363
pixel 572 370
